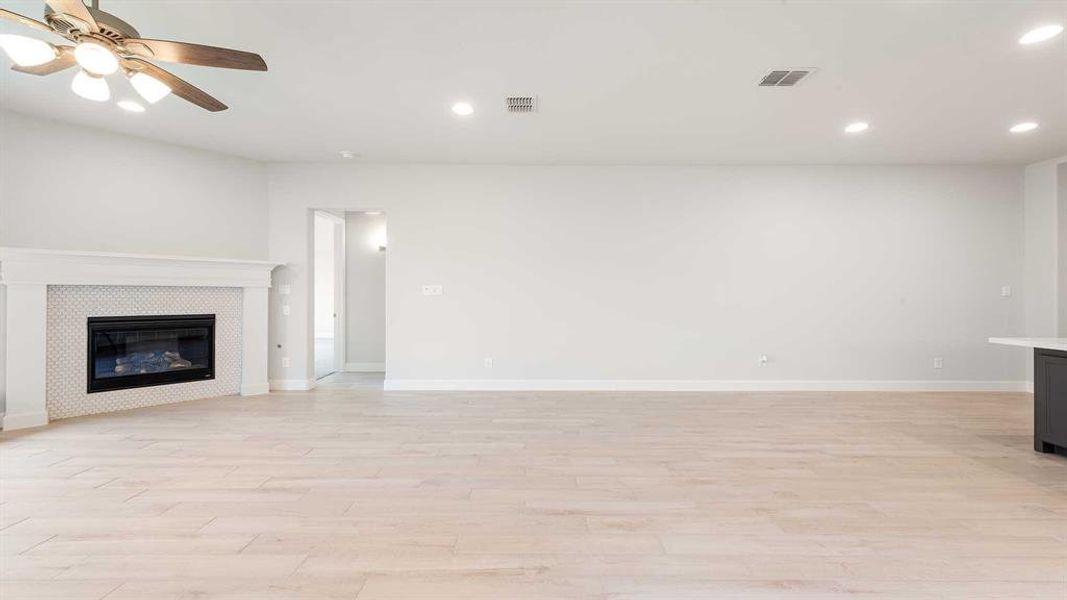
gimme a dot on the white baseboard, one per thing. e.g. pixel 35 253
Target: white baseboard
pixel 702 385
pixel 358 367
pixel 24 421
pixel 292 385
pixel 255 389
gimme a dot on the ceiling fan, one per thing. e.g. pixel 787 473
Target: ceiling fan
pixel 105 44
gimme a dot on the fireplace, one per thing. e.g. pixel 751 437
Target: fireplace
pixel 130 352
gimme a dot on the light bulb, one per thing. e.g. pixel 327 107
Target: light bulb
pixel 856 127
pixel 131 106
pixel 91 88
pixel 150 88
pixel 26 51
pixel 463 109
pixel 1023 127
pixel 95 58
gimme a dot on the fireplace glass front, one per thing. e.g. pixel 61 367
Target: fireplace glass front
pixel 128 352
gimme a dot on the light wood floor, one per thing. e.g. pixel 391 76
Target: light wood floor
pixel 349 492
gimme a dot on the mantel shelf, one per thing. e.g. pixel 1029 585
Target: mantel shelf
pixel 35 266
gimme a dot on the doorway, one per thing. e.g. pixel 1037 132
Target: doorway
pixel 329 276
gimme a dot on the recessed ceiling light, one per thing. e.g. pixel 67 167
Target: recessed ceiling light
pixel 347 154
pixel 373 213
pixel 856 127
pixel 463 109
pixel 1023 127
pixel 131 106
pixel 1045 32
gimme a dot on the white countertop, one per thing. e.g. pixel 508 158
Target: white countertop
pixel 1045 343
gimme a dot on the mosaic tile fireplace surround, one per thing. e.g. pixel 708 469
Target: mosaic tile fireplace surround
pixel 48 298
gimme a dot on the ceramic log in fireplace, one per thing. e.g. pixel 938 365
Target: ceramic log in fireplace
pixel 130 352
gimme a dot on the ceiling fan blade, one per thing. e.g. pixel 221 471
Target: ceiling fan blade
pixel 76 9
pixel 180 87
pixel 28 22
pixel 65 60
pixel 196 54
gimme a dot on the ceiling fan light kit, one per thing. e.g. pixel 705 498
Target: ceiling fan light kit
pixel 104 44
pixel 27 52
pixel 149 88
pixel 91 87
pixel 95 58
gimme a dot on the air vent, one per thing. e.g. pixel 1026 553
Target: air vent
pixel 521 104
pixel 785 77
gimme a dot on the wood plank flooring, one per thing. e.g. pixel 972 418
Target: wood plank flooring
pixel 349 492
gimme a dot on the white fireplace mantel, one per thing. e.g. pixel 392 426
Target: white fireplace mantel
pixel 26 273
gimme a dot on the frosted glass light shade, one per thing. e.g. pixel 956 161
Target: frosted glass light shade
pixel 91 88
pixel 95 58
pixel 27 51
pixel 150 88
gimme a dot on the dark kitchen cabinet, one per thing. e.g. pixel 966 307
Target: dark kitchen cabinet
pixel 1050 401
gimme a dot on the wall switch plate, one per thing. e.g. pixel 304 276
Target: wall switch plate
pixel 285 361
pixel 488 362
pixel 285 309
pixel 939 362
pixel 285 289
pixel 763 360
pixel 433 290
pixel 1005 292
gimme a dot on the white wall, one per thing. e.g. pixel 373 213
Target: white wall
pixel 674 273
pixel 1042 233
pixel 1061 261
pixel 75 188
pixel 365 293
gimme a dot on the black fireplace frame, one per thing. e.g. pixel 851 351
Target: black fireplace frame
pixel 106 384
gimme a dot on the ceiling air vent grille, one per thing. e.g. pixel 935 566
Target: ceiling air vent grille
pixel 521 104
pixel 785 77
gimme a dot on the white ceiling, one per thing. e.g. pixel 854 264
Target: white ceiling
pixel 619 82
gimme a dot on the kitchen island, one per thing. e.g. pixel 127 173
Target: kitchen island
pixel 1050 390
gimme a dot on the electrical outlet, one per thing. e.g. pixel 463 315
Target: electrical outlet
pixel 285 362
pixel 1005 291
pixel 488 362
pixel 939 362
pixel 433 290
pixel 763 360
